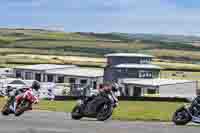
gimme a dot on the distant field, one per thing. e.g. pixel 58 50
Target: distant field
pixel 38 41
pixel 181 55
pixel 11 51
pixel 180 75
pixel 34 46
pixel 27 58
pixel 178 66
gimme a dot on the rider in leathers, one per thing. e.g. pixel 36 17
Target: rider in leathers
pixel 104 91
pixel 20 93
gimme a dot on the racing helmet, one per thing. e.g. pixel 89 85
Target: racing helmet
pixel 35 85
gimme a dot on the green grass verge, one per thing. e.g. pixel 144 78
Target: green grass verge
pixel 145 111
pixel 127 110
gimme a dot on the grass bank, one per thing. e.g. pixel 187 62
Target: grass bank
pixel 127 110
pixel 178 66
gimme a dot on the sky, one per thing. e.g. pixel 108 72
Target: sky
pixel 127 16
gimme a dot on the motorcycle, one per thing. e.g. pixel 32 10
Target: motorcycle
pixel 187 113
pixel 19 101
pixel 100 107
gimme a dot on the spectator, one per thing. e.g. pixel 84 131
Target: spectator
pixel 51 94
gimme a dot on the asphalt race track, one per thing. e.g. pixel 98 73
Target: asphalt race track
pixel 51 122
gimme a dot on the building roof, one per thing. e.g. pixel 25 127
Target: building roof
pixel 79 72
pixel 139 66
pixel 153 82
pixel 127 55
pixel 22 82
pixel 44 67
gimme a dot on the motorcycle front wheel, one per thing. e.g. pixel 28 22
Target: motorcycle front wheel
pixel 181 117
pixel 22 107
pixel 105 112
pixel 76 113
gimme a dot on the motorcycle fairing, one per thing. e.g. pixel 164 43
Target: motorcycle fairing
pixel 93 106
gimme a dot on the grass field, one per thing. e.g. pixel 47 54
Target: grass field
pixel 40 42
pixel 183 55
pixel 178 66
pixel 180 75
pixel 127 110
pixel 34 46
pixel 28 58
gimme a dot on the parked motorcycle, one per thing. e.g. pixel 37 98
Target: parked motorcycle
pixel 188 113
pixel 19 101
pixel 100 107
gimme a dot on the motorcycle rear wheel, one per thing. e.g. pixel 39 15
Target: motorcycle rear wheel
pixel 105 112
pixel 76 113
pixel 5 110
pixel 181 117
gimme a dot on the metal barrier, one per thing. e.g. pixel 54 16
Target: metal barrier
pixel 125 98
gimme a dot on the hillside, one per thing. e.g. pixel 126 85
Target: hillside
pixel 170 48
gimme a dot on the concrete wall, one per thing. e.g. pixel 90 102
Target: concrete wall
pixel 179 90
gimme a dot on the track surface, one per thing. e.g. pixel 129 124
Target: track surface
pixel 51 122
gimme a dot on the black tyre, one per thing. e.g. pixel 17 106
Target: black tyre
pixel 181 117
pixel 76 113
pixel 105 112
pixel 5 110
pixel 22 107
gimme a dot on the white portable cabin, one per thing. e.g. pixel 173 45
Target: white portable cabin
pixel 187 89
pixel 162 87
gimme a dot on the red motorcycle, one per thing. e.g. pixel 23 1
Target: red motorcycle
pixel 19 102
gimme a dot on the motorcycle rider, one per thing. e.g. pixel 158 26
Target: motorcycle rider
pixel 105 90
pixel 34 88
pixel 109 90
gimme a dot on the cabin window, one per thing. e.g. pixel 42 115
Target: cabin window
pixel 18 74
pixel 28 75
pixel 151 91
pixel 145 60
pixel 49 78
pixel 72 80
pixel 61 79
pixel 145 74
pixel 83 81
pixel 94 85
pixel 119 70
pixel 38 77
pixel 109 60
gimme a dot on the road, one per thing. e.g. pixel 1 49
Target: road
pixel 51 122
